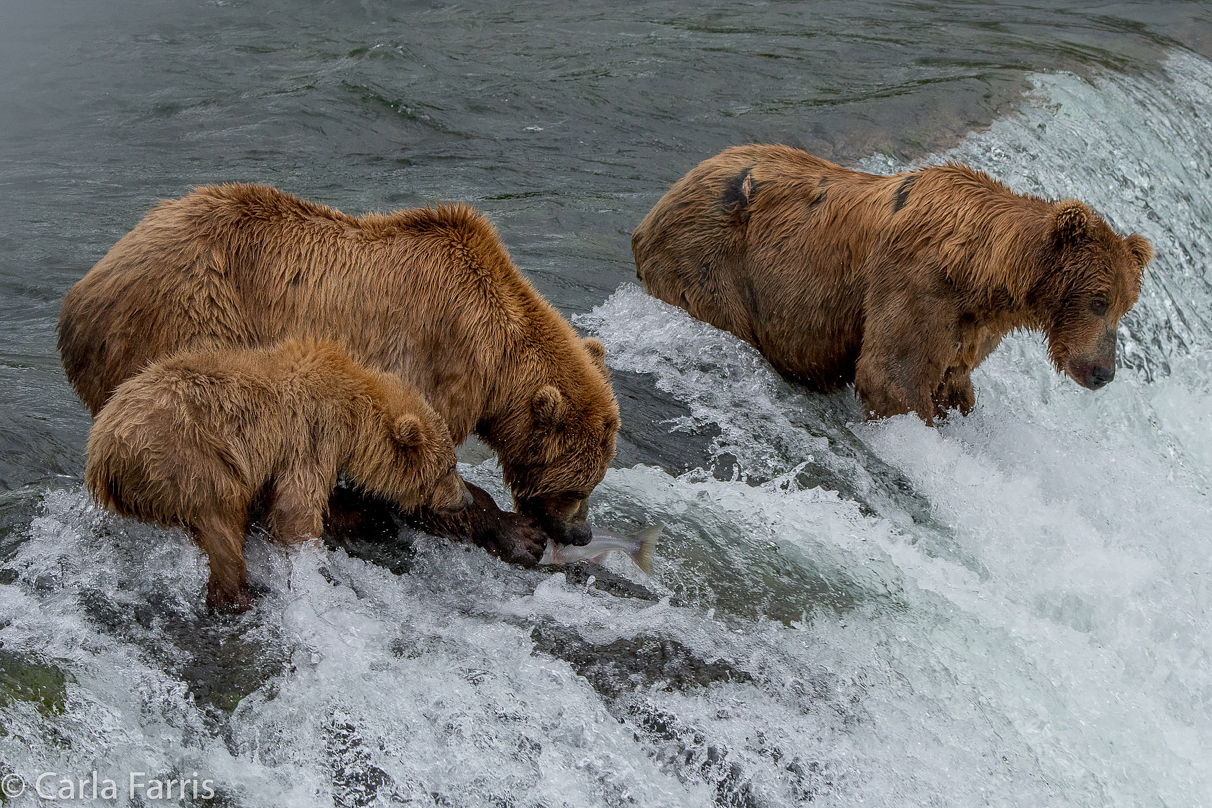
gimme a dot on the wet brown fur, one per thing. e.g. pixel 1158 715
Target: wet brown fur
pixel 429 295
pixel 901 284
pixel 196 438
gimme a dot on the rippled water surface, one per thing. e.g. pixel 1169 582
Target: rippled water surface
pixel 1009 610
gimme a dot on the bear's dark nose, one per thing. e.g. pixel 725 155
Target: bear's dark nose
pixel 580 535
pixel 1100 375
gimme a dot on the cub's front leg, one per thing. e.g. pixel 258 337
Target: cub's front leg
pixel 298 503
pixel 511 536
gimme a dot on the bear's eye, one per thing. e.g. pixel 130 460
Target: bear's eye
pixel 1098 307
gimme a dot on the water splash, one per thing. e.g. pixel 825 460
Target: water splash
pixel 1008 610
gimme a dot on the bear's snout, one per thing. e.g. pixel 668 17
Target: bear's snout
pixel 1094 367
pixel 580 535
pixel 564 518
pixel 574 533
pixel 1092 375
pixel 1099 376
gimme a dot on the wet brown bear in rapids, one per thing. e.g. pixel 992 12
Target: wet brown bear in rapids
pixel 197 438
pixel 429 295
pixel 901 284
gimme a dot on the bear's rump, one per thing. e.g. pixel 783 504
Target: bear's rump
pixel 171 488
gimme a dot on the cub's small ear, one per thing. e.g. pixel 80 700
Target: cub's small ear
pixel 1140 249
pixel 1071 222
pixel 597 352
pixel 407 431
pixel 549 408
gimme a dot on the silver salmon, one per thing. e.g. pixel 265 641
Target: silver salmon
pixel 638 548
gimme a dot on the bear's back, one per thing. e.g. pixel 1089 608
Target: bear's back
pixel 247 265
pixel 252 408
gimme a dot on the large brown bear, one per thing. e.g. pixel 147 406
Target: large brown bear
pixel 429 295
pixel 198 437
pixel 900 284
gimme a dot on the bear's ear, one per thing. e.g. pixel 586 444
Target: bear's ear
pixel 1071 222
pixel 407 431
pixel 549 407
pixel 597 352
pixel 1139 248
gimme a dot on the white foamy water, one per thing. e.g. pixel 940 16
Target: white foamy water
pixel 1011 609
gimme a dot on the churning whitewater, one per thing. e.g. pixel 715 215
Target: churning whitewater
pixel 1009 610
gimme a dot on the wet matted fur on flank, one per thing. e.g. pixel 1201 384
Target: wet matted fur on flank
pixel 901 284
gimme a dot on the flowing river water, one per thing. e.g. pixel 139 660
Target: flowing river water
pixel 1012 609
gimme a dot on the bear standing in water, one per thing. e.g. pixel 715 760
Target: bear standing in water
pixel 902 285
pixel 429 295
pixel 196 439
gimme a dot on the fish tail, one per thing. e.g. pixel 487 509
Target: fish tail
pixel 641 554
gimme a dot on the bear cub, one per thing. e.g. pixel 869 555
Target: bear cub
pixel 198 438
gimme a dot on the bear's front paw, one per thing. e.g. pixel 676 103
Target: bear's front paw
pixel 519 540
pixel 507 535
pixel 222 601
